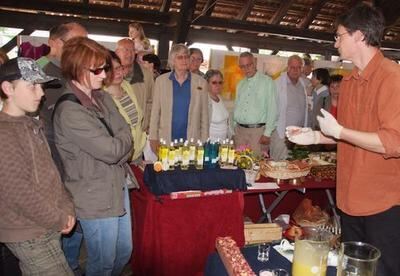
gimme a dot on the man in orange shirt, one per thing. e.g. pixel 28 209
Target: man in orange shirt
pixel 368 136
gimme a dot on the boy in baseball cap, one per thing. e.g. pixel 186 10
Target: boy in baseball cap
pixel 35 208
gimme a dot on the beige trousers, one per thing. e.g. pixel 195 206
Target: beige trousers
pixel 251 137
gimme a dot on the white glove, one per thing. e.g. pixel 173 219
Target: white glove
pixel 328 124
pixel 302 136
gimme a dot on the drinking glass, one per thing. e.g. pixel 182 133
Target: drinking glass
pixel 357 259
pixel 273 272
pixel 311 252
pixel 280 272
pixel 263 252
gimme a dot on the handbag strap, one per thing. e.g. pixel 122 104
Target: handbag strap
pixel 71 97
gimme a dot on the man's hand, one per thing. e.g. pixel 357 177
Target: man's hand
pixel 154 144
pixel 70 224
pixel 328 124
pixel 264 140
pixel 302 136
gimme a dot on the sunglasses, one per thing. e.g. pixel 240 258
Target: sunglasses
pixel 98 71
pixel 217 82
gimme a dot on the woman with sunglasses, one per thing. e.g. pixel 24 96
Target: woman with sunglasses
pixel 179 103
pixel 94 143
pixel 125 99
pixel 219 115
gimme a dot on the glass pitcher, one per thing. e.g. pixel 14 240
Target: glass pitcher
pixel 311 252
pixel 357 259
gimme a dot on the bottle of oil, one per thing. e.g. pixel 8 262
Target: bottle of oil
pixel 199 156
pixel 179 147
pixel 159 149
pixel 192 152
pixel 231 153
pixel 185 156
pixel 171 156
pixel 163 158
pixel 224 148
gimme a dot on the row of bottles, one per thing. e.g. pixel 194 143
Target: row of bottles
pixel 185 153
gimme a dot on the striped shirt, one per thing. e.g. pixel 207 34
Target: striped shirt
pixel 130 109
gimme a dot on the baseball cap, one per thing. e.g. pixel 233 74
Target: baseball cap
pixel 22 68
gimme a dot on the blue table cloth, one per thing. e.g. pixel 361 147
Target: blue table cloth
pixel 215 266
pixel 161 183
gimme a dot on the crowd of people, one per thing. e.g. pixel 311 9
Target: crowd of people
pixel 67 174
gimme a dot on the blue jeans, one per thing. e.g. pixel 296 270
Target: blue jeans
pixel 71 245
pixel 108 242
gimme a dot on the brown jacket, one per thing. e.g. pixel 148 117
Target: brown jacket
pixel 33 199
pixel 93 159
pixel 161 113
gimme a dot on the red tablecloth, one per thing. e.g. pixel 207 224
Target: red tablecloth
pixel 174 237
pixel 315 190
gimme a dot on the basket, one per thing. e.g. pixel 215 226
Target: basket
pixel 284 170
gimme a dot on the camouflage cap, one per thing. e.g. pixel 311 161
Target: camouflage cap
pixel 21 68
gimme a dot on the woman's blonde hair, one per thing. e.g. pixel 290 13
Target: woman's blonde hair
pixel 138 27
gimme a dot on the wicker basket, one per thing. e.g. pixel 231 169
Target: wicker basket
pixel 283 171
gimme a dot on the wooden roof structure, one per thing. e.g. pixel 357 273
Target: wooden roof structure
pixel 291 25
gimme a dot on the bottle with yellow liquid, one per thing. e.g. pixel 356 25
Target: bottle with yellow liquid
pixel 200 156
pixel 192 152
pixel 171 156
pixel 163 155
pixel 185 156
pixel 231 153
pixel 311 252
pixel 223 153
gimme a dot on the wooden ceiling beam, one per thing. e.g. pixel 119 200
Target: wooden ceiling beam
pixel 281 12
pixel 166 4
pixel 278 30
pixel 390 10
pixel 13 42
pixel 94 10
pixel 125 3
pixel 245 11
pixel 184 20
pixel 209 7
pixel 116 28
pixel 312 14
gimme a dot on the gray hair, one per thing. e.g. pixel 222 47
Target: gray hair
pixel 176 48
pixel 295 57
pixel 246 54
pixel 211 73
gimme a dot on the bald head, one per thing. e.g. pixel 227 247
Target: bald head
pixel 61 34
pixel 125 50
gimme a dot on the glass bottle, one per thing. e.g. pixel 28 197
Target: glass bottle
pixel 200 156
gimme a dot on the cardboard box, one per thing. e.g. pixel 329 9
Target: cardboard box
pixel 262 232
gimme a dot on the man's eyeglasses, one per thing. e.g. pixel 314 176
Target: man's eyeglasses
pixel 337 36
pixel 217 82
pixel 98 71
pixel 245 66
